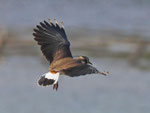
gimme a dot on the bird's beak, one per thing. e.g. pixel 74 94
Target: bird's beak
pixel 90 63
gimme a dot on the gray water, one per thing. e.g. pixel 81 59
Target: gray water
pixel 125 90
pixel 131 16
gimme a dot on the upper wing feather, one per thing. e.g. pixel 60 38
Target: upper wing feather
pixel 53 41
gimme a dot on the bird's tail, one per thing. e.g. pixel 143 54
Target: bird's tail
pixel 48 79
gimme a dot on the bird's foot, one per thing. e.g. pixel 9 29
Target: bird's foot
pixel 55 86
pixel 104 73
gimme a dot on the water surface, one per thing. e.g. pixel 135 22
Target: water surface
pixel 125 90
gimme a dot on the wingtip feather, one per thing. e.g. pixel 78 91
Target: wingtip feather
pixel 55 21
pixel 62 24
pixel 49 20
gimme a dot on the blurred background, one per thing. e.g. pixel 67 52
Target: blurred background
pixel 115 34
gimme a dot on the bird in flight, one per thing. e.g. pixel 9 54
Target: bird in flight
pixel 55 46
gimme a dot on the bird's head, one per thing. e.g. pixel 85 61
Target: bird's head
pixel 84 59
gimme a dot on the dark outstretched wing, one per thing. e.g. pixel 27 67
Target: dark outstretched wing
pixel 80 70
pixel 53 40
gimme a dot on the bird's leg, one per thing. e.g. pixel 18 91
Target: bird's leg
pixel 104 73
pixel 55 86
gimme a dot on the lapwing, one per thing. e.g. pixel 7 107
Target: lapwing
pixel 55 46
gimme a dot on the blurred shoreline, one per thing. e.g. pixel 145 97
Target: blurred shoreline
pixel 94 43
